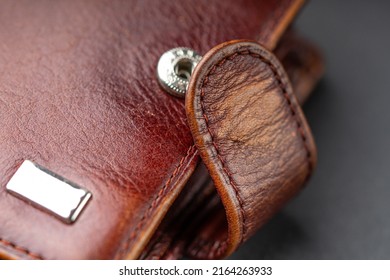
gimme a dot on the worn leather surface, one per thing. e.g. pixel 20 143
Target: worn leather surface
pixel 78 95
pixel 186 231
pixel 251 135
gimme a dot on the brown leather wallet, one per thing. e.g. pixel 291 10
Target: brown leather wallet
pixel 168 177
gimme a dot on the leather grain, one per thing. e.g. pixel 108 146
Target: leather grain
pixel 78 95
pixel 185 228
pixel 251 135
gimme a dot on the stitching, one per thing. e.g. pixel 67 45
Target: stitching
pixel 295 116
pixel 300 129
pixel 153 205
pixel 185 213
pixel 135 232
pixel 20 249
pixel 227 173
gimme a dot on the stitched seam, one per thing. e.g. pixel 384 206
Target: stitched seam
pixel 138 227
pixel 20 249
pixel 185 212
pixel 227 173
pixel 153 205
pixel 293 109
pixel 282 86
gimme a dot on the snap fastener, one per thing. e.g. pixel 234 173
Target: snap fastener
pixel 174 70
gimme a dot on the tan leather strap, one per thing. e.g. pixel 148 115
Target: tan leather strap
pixel 196 222
pixel 251 135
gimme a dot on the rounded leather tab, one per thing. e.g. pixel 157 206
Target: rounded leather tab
pixel 251 135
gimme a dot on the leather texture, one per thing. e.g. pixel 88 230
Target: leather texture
pixel 250 133
pixel 196 222
pixel 78 95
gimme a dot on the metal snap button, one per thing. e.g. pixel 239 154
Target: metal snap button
pixel 174 70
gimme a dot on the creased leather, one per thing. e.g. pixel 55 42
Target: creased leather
pixel 179 235
pixel 78 95
pixel 251 135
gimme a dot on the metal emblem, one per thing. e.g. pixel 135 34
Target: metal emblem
pixel 49 191
pixel 174 70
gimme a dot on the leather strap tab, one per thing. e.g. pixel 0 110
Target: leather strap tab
pixel 251 135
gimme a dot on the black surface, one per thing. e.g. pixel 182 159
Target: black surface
pixel 344 212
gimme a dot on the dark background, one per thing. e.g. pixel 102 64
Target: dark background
pixel 344 211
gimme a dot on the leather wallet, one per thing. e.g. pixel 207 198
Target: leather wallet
pixel 155 176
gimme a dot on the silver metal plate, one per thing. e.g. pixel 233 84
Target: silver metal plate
pixel 49 191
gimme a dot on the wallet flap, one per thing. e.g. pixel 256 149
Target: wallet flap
pixel 251 134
